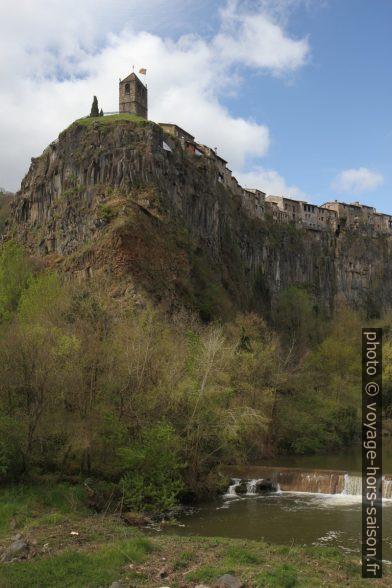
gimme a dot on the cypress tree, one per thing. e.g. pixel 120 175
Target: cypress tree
pixel 94 107
pixel 101 112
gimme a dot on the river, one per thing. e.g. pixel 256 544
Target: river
pixel 297 518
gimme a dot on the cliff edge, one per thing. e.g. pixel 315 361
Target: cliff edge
pixel 119 196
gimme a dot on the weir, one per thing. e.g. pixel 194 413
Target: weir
pixel 256 480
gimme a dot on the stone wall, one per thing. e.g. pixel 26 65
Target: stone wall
pixel 133 98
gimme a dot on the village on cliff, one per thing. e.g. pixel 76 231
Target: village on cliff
pixel 133 99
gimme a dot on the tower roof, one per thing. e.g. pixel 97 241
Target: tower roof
pixel 131 78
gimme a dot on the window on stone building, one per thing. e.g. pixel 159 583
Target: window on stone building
pixel 127 89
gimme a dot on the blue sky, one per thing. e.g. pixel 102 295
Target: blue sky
pixel 296 94
pixel 336 114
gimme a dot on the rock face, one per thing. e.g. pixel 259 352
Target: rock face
pixel 228 581
pixel 108 196
pixel 18 550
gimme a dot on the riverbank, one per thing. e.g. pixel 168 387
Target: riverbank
pixel 67 545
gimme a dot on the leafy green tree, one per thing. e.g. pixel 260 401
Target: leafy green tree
pixel 43 300
pixel 387 370
pixel 300 322
pixel 319 408
pixel 15 272
pixel 152 479
pixel 94 107
pixel 34 361
pixel 155 405
pixel 11 439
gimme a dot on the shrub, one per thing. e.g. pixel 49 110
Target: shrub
pixel 11 462
pixel 15 272
pixel 152 479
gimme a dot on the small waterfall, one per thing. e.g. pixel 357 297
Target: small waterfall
pixel 317 482
pixel 251 486
pixel 327 482
pixel 352 485
pixel 254 487
pixel 231 491
pixel 387 487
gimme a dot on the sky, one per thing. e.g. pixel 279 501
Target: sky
pixel 295 94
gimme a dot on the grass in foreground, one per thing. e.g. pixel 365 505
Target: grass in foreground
pixel 78 568
pixel 25 506
pixel 78 549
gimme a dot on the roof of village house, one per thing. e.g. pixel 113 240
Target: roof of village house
pixel 211 150
pixel 289 199
pixel 174 126
pixel 221 158
pixel 254 191
pixel 354 204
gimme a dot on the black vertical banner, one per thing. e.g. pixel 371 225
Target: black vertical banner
pixel 371 453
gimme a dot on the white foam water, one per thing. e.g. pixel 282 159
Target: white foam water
pixel 352 485
pixel 351 488
pixel 251 486
pixel 231 491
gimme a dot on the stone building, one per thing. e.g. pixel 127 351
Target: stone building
pixel 318 218
pixel 329 216
pixel 253 201
pixel 348 215
pixel 357 215
pixel 176 131
pixel 187 140
pixel 277 214
pixel 382 222
pixel 301 213
pixel 133 96
pixel 212 154
pixel 326 219
pixel 292 208
pixel 309 216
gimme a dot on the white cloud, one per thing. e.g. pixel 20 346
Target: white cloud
pixel 357 180
pixel 257 40
pixel 269 181
pixel 55 57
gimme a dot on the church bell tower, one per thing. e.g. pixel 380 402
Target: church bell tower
pixel 133 96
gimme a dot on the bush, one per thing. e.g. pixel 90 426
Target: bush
pixel 11 459
pixel 15 272
pixel 152 479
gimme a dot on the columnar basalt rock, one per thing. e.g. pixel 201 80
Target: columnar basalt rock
pixel 99 174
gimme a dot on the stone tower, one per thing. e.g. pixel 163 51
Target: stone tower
pixel 133 96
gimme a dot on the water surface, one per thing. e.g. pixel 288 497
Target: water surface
pixel 295 518
pixel 349 459
pixel 288 519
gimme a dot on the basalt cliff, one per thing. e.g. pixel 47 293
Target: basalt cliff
pixel 121 198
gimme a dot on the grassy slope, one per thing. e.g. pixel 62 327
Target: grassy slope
pixel 104 120
pixel 105 550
